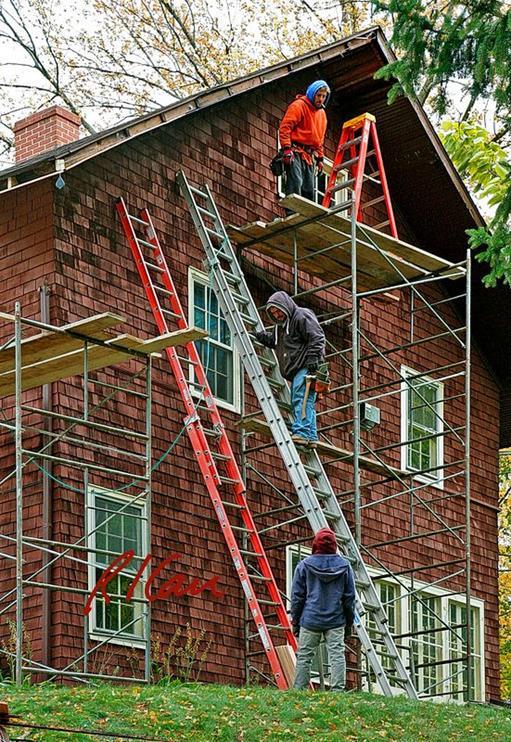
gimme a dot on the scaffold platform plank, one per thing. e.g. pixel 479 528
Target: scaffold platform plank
pixel 255 424
pixel 58 355
pixel 382 260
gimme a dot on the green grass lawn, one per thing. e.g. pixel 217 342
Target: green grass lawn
pixel 211 712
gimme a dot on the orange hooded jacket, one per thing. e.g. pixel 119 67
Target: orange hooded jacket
pixel 305 124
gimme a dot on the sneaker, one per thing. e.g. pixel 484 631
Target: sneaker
pixel 299 441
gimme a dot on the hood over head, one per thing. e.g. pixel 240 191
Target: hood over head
pixel 326 567
pixel 313 89
pixel 282 301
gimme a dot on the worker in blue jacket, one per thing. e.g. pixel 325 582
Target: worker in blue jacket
pixel 322 605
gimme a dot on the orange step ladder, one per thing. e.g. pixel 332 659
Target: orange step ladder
pixel 357 147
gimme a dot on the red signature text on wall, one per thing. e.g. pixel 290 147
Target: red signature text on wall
pixel 175 585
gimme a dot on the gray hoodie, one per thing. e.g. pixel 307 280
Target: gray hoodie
pixel 299 340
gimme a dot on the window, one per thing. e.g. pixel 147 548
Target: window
pixel 422 425
pixel 389 597
pixel 116 527
pixel 427 643
pixel 458 684
pixel 218 356
pixel 431 628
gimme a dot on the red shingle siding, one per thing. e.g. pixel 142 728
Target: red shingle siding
pixel 229 147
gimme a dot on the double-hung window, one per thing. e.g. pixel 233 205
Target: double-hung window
pixel 217 352
pixel 458 679
pixel 116 526
pixel 422 425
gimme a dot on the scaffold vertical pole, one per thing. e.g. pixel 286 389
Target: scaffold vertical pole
pixel 468 339
pixel 148 503
pixel 19 496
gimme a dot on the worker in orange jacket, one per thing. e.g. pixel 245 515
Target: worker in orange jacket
pixel 302 133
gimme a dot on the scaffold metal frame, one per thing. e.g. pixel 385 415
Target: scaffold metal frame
pixel 411 485
pixel 137 474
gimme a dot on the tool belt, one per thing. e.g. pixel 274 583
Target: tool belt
pixel 304 147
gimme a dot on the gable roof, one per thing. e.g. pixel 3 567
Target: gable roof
pixel 422 178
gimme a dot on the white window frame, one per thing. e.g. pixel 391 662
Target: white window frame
pixel 100 634
pixel 403 621
pixel 436 478
pixel 195 275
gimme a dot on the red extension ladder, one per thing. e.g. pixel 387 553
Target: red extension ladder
pixel 210 443
pixel 357 146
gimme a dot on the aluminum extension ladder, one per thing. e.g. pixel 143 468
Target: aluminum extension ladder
pixel 359 142
pixel 314 490
pixel 210 444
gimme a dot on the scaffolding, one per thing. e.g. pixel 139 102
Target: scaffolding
pixel 351 266
pixel 94 440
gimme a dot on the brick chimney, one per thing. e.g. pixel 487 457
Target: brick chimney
pixel 45 130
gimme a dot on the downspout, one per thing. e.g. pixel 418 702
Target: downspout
pixel 46 526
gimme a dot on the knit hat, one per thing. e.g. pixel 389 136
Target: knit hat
pixel 313 89
pixel 324 542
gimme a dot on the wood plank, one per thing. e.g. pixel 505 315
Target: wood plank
pixel 99 356
pixel 375 270
pixel 256 424
pixel 400 249
pixel 47 345
pixel 287 659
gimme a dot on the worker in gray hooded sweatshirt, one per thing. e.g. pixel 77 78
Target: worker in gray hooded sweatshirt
pixel 322 604
pixel 299 343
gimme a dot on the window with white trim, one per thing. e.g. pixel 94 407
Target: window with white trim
pixel 217 352
pixel 431 628
pixel 116 525
pixel 427 641
pixel 458 680
pixel 422 425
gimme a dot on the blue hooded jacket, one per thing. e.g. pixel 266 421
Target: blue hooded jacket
pixel 313 89
pixel 323 593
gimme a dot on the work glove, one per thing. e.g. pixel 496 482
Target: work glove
pixel 260 335
pixel 287 156
pixel 319 164
pixel 312 367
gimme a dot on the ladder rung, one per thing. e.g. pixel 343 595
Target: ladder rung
pixel 343 185
pixel 341 207
pixel 232 278
pixel 267 602
pixel 220 456
pixel 250 553
pixel 234 505
pixel 373 180
pixel 346 163
pixel 170 313
pixel 246 318
pixel 216 234
pixel 351 143
pixel 382 224
pixel 372 202
pixel 275 383
pixel 228 480
pixel 161 290
pixel 141 241
pixel 138 220
pixel 199 193
pixel 240 298
pixel 154 267
pixel 260 578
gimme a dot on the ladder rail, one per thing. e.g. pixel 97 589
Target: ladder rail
pixel 270 408
pixel 201 447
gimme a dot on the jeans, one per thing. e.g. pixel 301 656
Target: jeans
pixel 300 178
pixel 307 646
pixel 305 428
